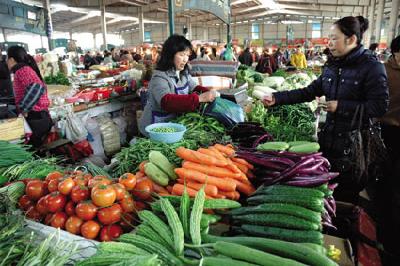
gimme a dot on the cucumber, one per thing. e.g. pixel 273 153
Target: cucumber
pixel 251 255
pixel 291 190
pixel 220 261
pixel 317 248
pixel 305 148
pixel 310 203
pixel 3 180
pixel 298 236
pixel 162 162
pixel 281 208
pixel 298 142
pixel 207 219
pixel 155 174
pixel 306 254
pixel 278 220
pixel 273 146
pixel 208 203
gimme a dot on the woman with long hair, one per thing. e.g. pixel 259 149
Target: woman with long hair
pixel 30 93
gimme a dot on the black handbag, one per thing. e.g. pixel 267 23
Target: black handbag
pixel 365 155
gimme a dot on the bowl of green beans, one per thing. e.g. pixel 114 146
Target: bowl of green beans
pixel 166 132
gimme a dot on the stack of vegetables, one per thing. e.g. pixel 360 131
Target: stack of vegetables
pixel 224 175
pixel 14 154
pixel 246 74
pixel 249 134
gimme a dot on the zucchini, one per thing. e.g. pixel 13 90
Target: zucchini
pixel 298 142
pixel 278 220
pixel 324 189
pixel 175 225
pixel 208 203
pixel 305 148
pixel 291 190
pixel 273 146
pixel 282 208
pixel 220 261
pixel 207 219
pixel 105 259
pixel 298 236
pixel 162 162
pixel 155 174
pixel 311 203
pixel 251 255
pixel 306 254
pixel 120 247
pixel 317 248
pixel 152 247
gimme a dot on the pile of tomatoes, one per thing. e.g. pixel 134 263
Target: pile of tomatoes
pixel 94 207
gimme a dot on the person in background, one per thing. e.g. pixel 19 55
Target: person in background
pixel 245 57
pixel 89 60
pixel 192 55
pixel 107 58
pixel 172 90
pixel 286 54
pixel 126 57
pixel 203 56
pixel 213 54
pixel 222 53
pixel 99 58
pixel 6 89
pixel 255 55
pixel 374 48
pixel 30 93
pixel 389 190
pixel 154 55
pixel 298 59
pixel 279 58
pixel 137 57
pixel 352 77
pixel 115 55
pixel 266 64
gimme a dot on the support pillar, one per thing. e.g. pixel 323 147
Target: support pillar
pixel 171 17
pixel 94 41
pixel 189 29
pixel 103 22
pixel 141 26
pixel 3 31
pixel 392 29
pixel 41 41
pixel 205 34
pixel 378 25
pixel 370 33
pixel 70 35
pixel 48 22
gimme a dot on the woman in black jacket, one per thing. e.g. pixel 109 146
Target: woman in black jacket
pixel 351 77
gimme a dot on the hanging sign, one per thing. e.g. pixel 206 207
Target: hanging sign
pixel 219 8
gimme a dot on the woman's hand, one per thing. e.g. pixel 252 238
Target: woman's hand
pixel 208 96
pixel 331 106
pixel 269 100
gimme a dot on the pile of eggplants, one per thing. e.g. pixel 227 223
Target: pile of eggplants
pixel 249 134
pixel 294 169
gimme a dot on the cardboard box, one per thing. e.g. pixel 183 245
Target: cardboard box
pixel 346 256
pixel 12 129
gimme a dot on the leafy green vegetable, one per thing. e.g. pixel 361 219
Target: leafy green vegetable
pixel 59 79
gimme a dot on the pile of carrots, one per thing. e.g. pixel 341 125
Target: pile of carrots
pixel 223 174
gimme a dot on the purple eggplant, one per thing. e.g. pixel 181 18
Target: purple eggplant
pixel 329 208
pixel 332 202
pixel 266 136
pixel 311 169
pixel 326 217
pixel 332 186
pixel 290 172
pixel 329 225
pixel 305 183
pixel 261 162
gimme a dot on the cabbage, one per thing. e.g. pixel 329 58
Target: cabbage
pixel 273 82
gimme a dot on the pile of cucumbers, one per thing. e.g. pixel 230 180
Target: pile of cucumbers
pixel 293 146
pixel 159 169
pixel 283 212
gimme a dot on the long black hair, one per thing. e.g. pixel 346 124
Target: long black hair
pixel 353 26
pixel 22 57
pixel 174 44
pixel 395 45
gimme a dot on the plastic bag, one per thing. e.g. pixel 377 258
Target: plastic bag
pixel 75 130
pixel 226 112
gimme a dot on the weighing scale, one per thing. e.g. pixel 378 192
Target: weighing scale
pixel 236 95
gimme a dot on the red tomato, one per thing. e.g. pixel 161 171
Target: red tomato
pixel 25 202
pixel 86 210
pixel 48 218
pixel 33 214
pixel 98 180
pixel 70 208
pixel 35 189
pixel 90 229
pixel 140 206
pixel 143 189
pixel 53 176
pixel 128 180
pixel 127 222
pixel 79 193
pixel 120 190
pixel 53 185
pixel 56 201
pixel 103 196
pixel 41 206
pixel 110 215
pixel 110 232
pixel 128 204
pixel 58 220
pixel 81 181
pixel 65 186
pixel 73 225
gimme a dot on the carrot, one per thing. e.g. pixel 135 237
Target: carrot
pixel 178 189
pixel 141 166
pixel 164 194
pixel 227 150
pixel 244 188
pixel 217 152
pixel 198 157
pixel 243 161
pixel 224 184
pixel 210 170
pixel 210 190
pixel 233 167
pixel 219 196
pixel 159 189
pixel 233 195
pixel 211 153
pixel 169 189
pixel 243 168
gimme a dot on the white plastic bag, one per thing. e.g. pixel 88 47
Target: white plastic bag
pixel 75 130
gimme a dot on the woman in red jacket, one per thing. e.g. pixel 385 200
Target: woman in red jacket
pixel 30 93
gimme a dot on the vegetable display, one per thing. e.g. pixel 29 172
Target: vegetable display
pixel 59 79
pixel 35 168
pixel 15 154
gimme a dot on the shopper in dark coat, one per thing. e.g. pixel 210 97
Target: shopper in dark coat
pixel 246 58
pixel 352 76
pixel 6 89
